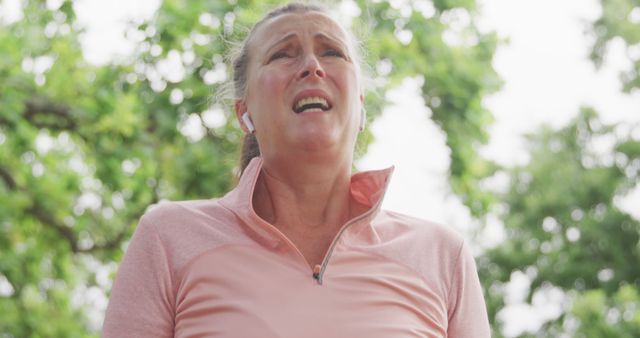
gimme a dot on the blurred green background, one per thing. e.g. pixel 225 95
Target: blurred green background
pixel 85 148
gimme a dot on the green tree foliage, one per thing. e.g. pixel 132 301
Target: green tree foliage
pixel 596 314
pixel 562 215
pixel 84 149
pixel 441 43
pixel 620 20
pixel 564 224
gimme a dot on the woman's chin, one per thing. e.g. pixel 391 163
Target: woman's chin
pixel 318 140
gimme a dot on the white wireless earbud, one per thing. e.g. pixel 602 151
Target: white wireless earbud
pixel 247 122
pixel 363 118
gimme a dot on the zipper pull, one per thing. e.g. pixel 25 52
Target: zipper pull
pixel 316 272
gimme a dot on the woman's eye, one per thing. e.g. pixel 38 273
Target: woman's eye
pixel 333 52
pixel 279 55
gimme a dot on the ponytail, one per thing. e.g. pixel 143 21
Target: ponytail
pixel 250 149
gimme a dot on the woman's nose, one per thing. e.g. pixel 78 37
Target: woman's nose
pixel 311 66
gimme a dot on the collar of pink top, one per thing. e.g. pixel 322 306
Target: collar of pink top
pixel 368 188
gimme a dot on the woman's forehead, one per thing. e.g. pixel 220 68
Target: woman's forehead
pixel 311 22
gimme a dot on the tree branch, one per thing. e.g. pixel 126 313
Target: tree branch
pixel 8 180
pixel 70 236
pixel 46 218
pixel 39 111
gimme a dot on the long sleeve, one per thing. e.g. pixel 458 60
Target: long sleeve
pixel 141 302
pixel 467 309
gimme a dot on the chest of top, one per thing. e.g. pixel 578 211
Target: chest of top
pixel 248 291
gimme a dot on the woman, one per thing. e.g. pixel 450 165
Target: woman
pixel 300 248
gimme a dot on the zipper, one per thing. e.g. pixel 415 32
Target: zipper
pixel 318 270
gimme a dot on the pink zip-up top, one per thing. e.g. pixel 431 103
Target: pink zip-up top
pixel 214 268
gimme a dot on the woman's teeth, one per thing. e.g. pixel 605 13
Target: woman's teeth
pixel 311 103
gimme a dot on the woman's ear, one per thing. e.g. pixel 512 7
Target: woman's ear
pixel 241 108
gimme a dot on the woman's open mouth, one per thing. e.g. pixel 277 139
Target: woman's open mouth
pixel 312 103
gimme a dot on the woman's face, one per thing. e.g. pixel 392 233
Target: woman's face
pixel 303 87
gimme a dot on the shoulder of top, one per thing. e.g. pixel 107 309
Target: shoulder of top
pixel 164 209
pixel 170 213
pixel 420 227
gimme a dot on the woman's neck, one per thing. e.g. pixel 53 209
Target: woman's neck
pixel 305 196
